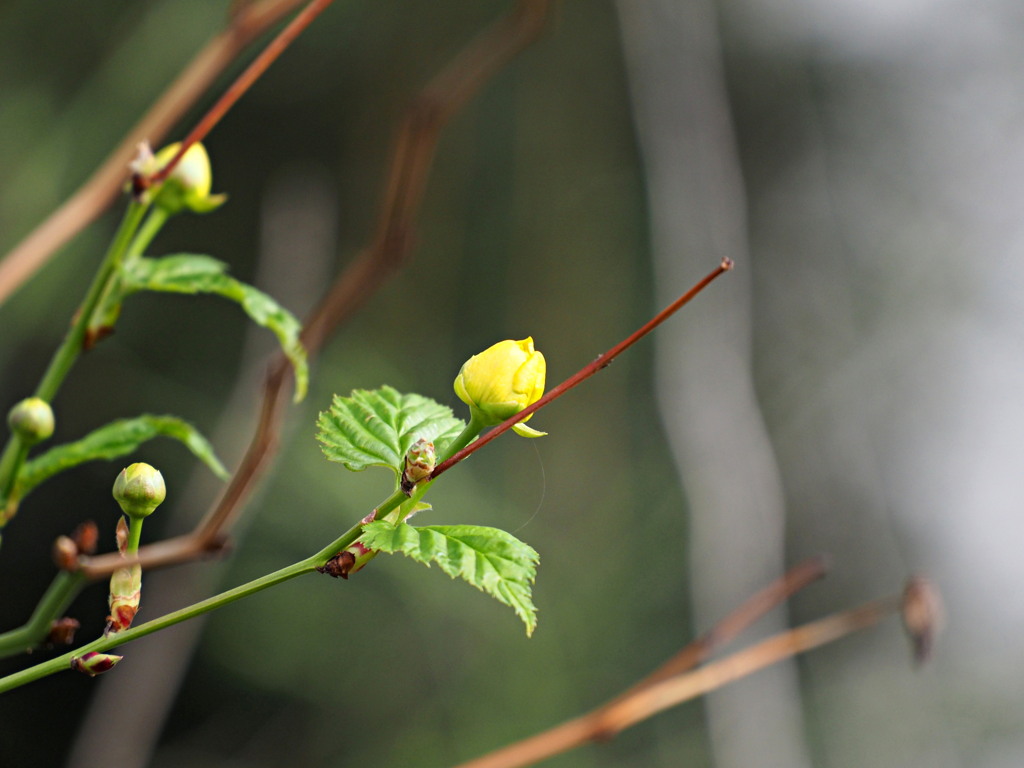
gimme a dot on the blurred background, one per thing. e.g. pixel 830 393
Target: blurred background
pixel 852 388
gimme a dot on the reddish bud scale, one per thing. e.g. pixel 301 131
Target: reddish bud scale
pixel 121 533
pixel 86 537
pixel 94 663
pixel 62 631
pixel 349 561
pixel 125 596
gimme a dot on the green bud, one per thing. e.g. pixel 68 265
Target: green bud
pixel 419 463
pixel 31 420
pixel 139 489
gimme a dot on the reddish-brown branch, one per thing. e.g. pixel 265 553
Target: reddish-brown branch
pixel 243 83
pixel 649 699
pixel 410 165
pixel 586 371
pixel 106 182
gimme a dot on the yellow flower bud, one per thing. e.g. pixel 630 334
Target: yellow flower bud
pixel 190 181
pixel 501 381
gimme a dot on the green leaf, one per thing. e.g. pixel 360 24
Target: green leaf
pixel 374 428
pixel 193 273
pixel 490 559
pixel 116 439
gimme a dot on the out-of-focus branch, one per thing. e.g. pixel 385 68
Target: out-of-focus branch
pixel 410 164
pixel 792 581
pixel 651 697
pixel 247 23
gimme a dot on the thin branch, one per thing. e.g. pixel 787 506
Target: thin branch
pixel 410 165
pixel 243 83
pixel 626 711
pixel 93 197
pixel 782 646
pixel 602 361
pixel 697 651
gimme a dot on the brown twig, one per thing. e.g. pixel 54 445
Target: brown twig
pixel 29 255
pixel 697 651
pixel 410 165
pixel 602 361
pixel 243 83
pixel 648 700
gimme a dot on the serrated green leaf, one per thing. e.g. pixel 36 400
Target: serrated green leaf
pixel 114 440
pixel 490 559
pixel 193 273
pixel 374 428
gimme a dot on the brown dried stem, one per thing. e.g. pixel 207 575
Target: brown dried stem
pixel 92 198
pixel 649 699
pixel 411 159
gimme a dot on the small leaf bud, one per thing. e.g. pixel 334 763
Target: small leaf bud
pixel 121 536
pixel 348 561
pixel 65 553
pixel 94 663
pixel 501 381
pixel 31 420
pixel 125 596
pixel 86 537
pixel 62 631
pixel 419 463
pixel 139 489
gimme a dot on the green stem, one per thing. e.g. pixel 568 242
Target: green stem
pixel 125 244
pixel 14 455
pixel 310 564
pixel 15 451
pixel 464 438
pixel 134 535
pixel 63 589
pixel 158 216
pixel 71 347
pixel 103 644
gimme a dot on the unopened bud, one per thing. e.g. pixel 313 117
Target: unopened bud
pixel 139 489
pixel 94 663
pixel 86 537
pixel 124 599
pixel 31 420
pixel 62 631
pixel 419 463
pixel 348 561
pixel 187 186
pixel 121 535
pixel 923 616
pixel 65 553
pixel 501 381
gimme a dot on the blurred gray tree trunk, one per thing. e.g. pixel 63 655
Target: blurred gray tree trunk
pixel 705 389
